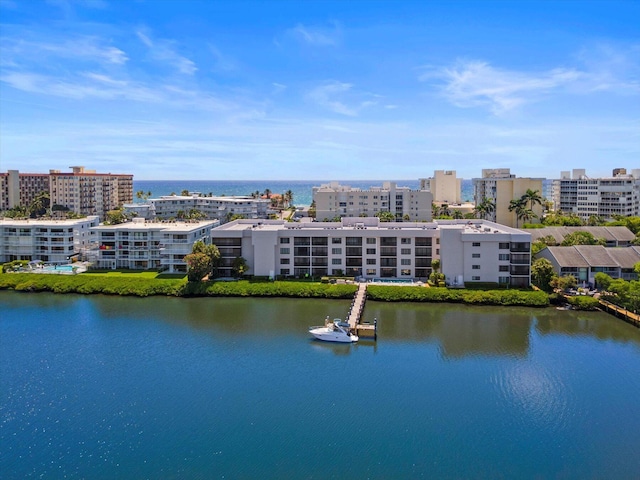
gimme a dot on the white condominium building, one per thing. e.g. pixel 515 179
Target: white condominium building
pixel 335 200
pixel 142 245
pixel 51 241
pixel 500 187
pixel 214 208
pixel 444 186
pixel 605 197
pixel 481 251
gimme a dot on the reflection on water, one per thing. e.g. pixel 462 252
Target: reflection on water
pixel 113 387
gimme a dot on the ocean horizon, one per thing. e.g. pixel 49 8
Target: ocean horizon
pixel 302 189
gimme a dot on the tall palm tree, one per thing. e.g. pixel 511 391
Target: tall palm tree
pixel 288 197
pixel 519 206
pixel 444 210
pixel 533 197
pixel 485 208
pixel 267 193
pixel 457 214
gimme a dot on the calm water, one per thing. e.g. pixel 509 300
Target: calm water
pixel 101 387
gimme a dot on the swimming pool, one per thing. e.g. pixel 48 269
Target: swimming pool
pixel 58 268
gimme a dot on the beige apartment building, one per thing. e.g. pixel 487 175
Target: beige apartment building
pixel 335 200
pixel 82 191
pixel 501 186
pixel 444 186
pixel 90 193
pixel 21 188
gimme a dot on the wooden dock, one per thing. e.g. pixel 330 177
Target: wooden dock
pixel 626 315
pixel 364 330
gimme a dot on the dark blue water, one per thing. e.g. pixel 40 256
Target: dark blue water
pixel 108 387
pixel 301 189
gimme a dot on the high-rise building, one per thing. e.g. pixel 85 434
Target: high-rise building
pixel 444 186
pixel 335 200
pixel 82 191
pixel 605 197
pixel 500 187
pixel 21 188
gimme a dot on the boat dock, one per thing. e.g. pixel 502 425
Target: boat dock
pixel 627 316
pixel 363 330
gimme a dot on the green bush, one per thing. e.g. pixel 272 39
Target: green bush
pixel 583 302
pixel 477 297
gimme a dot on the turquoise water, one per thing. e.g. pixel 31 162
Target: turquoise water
pixel 55 268
pixel 110 387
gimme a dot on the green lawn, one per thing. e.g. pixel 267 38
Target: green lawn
pixel 134 274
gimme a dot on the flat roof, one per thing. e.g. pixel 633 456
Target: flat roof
pixel 176 226
pixel 35 222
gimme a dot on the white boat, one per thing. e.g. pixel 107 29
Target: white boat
pixel 336 331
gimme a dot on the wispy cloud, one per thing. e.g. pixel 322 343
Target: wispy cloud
pixel 165 51
pixel 323 37
pixel 476 83
pixel 334 96
pixel 80 47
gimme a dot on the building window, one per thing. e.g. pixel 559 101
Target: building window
pixel 475 267
pixel 371 261
pixel 475 244
pixel 475 255
pixel 336 261
pixel 405 241
pixel 503 268
pixel 475 279
pixel 336 251
pixel 371 251
pixel 405 272
pixel 371 271
pixel 285 261
pixel 405 261
pixel 284 271
pixel 503 256
pixel 503 246
pixel 371 241
pixel 335 240
pixel 503 279
pixel 285 251
pixel 405 251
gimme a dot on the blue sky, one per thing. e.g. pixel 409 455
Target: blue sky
pixel 239 90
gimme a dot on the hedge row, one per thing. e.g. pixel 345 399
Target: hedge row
pixel 144 287
pixel 478 297
pixel 141 287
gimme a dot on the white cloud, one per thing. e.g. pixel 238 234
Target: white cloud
pixel 164 51
pixel 339 97
pixel 316 36
pixel 476 83
pixel 86 48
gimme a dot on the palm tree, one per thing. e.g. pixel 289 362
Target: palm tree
pixel 533 197
pixel 484 208
pixel 288 197
pixel 519 206
pixel 444 210
pixel 457 214
pixel 435 210
pixel 267 193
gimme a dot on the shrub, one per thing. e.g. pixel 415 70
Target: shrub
pixel 582 302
